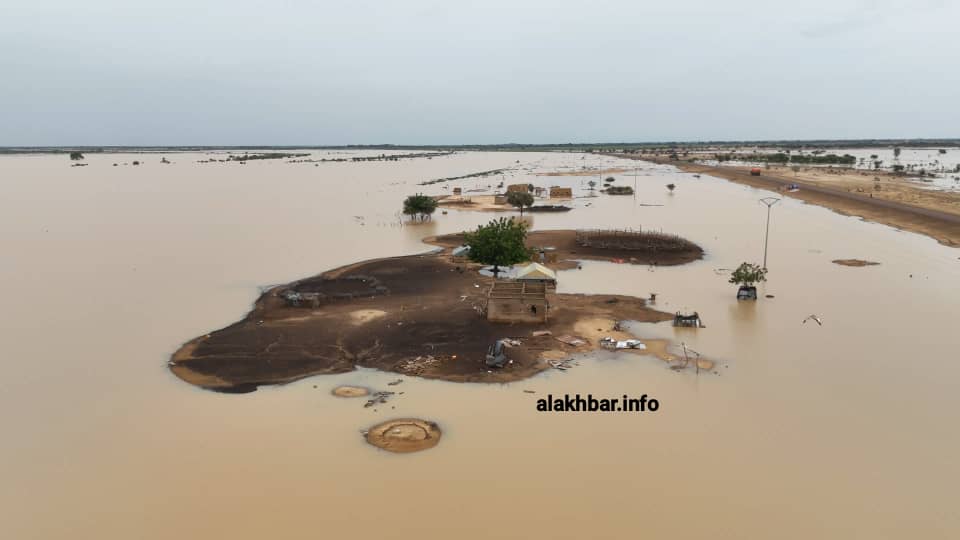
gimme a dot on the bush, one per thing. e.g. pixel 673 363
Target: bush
pixel 501 242
pixel 420 206
pixel 520 199
pixel 747 274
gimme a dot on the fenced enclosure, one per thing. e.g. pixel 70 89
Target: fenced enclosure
pixel 631 239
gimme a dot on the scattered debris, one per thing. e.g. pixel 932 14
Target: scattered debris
pixel 570 340
pixel 377 397
pixel 529 391
pixel 396 382
pixel 813 318
pixel 562 365
pixel 538 333
pixel 495 355
pixel 415 366
pixel 611 343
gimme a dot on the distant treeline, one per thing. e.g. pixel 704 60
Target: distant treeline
pixel 784 158
pixel 471 175
pixel 608 147
pixel 271 155
pixel 381 157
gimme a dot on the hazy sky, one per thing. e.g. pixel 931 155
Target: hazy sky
pixel 242 72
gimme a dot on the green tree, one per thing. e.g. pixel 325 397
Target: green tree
pixel 520 199
pixel 419 206
pixel 500 243
pixel 747 274
pixel 75 156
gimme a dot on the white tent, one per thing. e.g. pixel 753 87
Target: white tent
pixel 535 272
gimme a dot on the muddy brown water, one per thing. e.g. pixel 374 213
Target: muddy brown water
pixel 846 430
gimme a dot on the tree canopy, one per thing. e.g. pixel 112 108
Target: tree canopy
pixel 747 274
pixel 520 199
pixel 419 206
pixel 500 243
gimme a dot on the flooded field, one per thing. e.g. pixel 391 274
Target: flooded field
pixel 845 430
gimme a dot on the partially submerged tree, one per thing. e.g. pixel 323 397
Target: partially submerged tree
pixel 74 156
pixel 795 169
pixel 671 187
pixel 500 243
pixel 592 184
pixel 747 274
pixel 520 199
pixel 419 206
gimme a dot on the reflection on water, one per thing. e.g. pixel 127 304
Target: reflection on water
pixel 844 430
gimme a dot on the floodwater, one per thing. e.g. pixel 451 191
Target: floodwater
pixel 845 430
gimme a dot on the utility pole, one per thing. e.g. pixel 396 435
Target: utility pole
pixel 769 202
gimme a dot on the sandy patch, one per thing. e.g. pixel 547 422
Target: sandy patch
pixel 554 354
pixel 348 391
pixel 596 328
pixel 363 316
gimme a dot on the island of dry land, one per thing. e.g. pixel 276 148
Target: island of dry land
pixel 876 196
pixel 419 315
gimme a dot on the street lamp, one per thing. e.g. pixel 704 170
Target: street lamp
pixel 769 201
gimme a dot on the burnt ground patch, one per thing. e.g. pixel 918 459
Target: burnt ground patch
pixel 429 323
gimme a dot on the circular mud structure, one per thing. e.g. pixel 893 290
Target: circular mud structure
pixel 350 391
pixel 404 435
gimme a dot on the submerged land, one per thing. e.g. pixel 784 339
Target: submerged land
pixel 416 315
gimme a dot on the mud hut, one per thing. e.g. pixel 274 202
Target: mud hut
pixel 517 302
